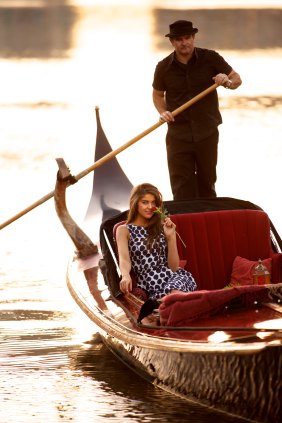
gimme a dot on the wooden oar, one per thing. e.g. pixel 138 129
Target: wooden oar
pixel 112 154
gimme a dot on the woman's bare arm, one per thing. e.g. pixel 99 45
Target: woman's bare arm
pixel 170 234
pixel 122 237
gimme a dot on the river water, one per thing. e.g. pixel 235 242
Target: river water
pixel 59 59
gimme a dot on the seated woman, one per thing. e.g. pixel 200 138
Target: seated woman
pixel 147 244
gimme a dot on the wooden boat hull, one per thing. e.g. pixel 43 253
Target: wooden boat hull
pixel 241 378
pixel 233 369
pixel 213 379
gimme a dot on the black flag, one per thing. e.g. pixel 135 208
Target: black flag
pixel 111 187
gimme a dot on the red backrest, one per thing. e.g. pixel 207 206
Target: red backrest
pixel 213 240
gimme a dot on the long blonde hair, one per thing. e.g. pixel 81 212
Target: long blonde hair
pixel 155 227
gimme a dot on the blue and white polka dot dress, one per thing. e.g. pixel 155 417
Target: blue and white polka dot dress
pixel 150 266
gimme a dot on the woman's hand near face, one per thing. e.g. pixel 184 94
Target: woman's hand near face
pixel 169 228
pixel 170 234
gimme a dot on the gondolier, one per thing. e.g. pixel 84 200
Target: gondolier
pixel 192 136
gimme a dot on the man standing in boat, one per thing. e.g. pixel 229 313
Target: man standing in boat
pixel 192 136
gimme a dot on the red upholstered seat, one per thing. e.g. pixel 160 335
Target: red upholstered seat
pixel 213 240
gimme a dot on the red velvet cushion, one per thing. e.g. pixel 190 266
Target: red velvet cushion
pixel 242 270
pixel 214 239
pixel 181 308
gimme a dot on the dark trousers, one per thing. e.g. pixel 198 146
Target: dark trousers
pixel 191 165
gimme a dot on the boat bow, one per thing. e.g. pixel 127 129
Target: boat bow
pixel 85 247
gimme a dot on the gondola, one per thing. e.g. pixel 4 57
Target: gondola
pixel 221 345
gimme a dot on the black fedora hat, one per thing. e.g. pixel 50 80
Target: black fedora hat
pixel 179 28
